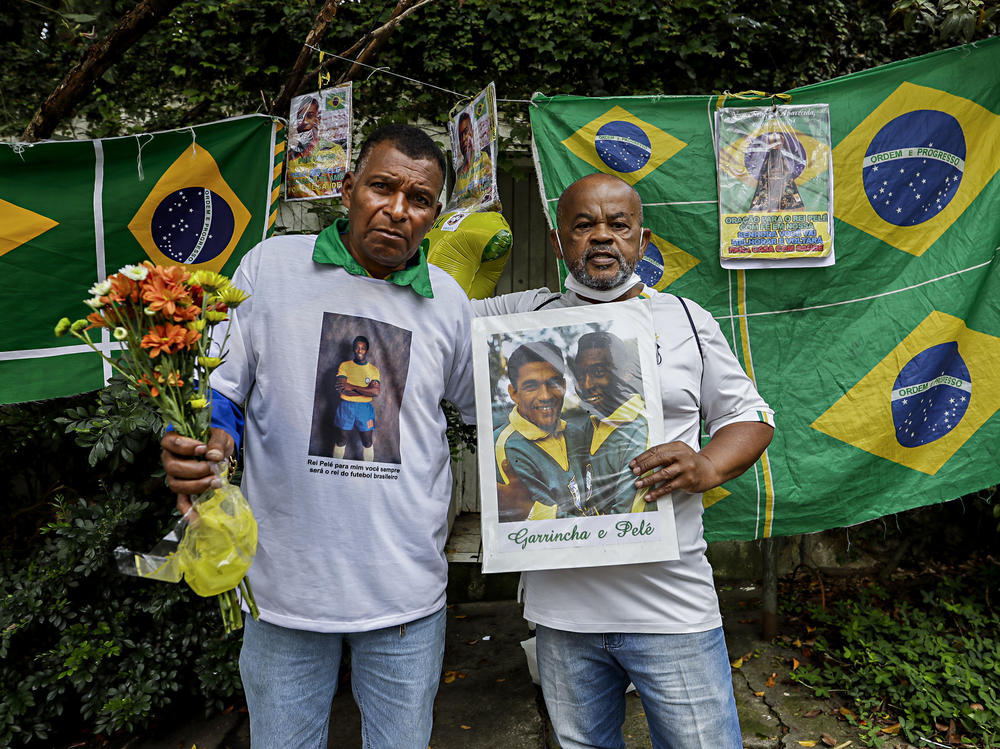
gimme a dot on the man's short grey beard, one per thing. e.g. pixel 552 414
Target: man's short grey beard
pixel 579 268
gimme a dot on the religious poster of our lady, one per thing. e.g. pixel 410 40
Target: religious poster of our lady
pixel 775 186
pixel 564 400
pixel 319 144
pixel 473 134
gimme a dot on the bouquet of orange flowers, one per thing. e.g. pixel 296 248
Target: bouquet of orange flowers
pixel 162 317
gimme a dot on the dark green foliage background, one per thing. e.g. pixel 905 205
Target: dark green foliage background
pixel 932 659
pixel 82 647
pixel 215 58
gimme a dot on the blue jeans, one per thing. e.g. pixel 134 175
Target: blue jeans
pixel 290 678
pixel 684 682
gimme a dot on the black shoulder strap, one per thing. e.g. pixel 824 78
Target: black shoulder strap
pixel 547 301
pixel 694 330
pixel 701 354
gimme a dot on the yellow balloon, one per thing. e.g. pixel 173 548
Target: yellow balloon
pixel 472 248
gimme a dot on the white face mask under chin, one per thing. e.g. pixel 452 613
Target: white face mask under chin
pixel 601 295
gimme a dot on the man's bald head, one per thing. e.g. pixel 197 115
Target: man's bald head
pixel 590 182
pixel 599 233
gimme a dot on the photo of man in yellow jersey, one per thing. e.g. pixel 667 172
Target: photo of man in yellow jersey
pixel 609 386
pixel 538 473
pixel 358 382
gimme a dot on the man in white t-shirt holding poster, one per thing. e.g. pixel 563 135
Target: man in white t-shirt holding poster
pixel 657 625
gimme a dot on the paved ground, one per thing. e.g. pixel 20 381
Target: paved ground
pixel 488 701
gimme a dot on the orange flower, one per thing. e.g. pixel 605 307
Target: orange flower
pixel 123 289
pixel 164 290
pixel 97 321
pixel 153 390
pixel 168 339
pixel 186 312
pixel 174 379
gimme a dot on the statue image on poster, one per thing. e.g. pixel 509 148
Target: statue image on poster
pixel 775 186
pixel 565 399
pixel 319 144
pixel 473 133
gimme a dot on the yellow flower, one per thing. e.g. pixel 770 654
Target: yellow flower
pixel 79 325
pixel 198 403
pixel 214 316
pixel 210 362
pixel 232 296
pixel 62 327
pixel 209 280
pixel 196 324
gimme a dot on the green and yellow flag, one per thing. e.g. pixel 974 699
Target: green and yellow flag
pixel 883 369
pixel 73 212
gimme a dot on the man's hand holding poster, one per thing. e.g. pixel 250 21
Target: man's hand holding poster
pixel 564 400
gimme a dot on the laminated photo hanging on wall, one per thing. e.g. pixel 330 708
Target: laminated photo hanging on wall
pixel 564 400
pixel 473 133
pixel 319 144
pixel 775 175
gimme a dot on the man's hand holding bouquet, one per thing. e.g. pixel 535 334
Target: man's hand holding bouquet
pixel 163 316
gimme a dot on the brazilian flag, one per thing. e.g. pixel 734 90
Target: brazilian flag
pixel 883 369
pixel 74 212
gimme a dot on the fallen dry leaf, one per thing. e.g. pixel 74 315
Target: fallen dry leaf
pixel 461 616
pixel 848 714
pixel 828 739
pixel 770 680
pixel 976 706
pixel 465 727
pixel 844 745
pixel 797 643
pixel 812 713
pixel 808 742
pixel 501 679
pixel 737 663
pixel 449 676
pixel 892 730
pixel 795 663
pixel 759 694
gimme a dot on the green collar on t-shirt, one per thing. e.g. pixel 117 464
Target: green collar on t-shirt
pixel 330 250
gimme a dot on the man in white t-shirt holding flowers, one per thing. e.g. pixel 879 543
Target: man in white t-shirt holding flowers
pixel 349 554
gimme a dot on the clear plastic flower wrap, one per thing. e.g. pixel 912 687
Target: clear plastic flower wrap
pixel 210 548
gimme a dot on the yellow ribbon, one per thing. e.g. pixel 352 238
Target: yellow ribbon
pixel 751 95
pixel 324 76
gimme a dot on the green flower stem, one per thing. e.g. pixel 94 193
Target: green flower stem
pixel 247 592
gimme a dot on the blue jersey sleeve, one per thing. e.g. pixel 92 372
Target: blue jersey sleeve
pixel 228 416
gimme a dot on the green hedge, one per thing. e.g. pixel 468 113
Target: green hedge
pixel 83 648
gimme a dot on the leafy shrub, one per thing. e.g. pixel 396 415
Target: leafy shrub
pixel 926 664
pixel 84 648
